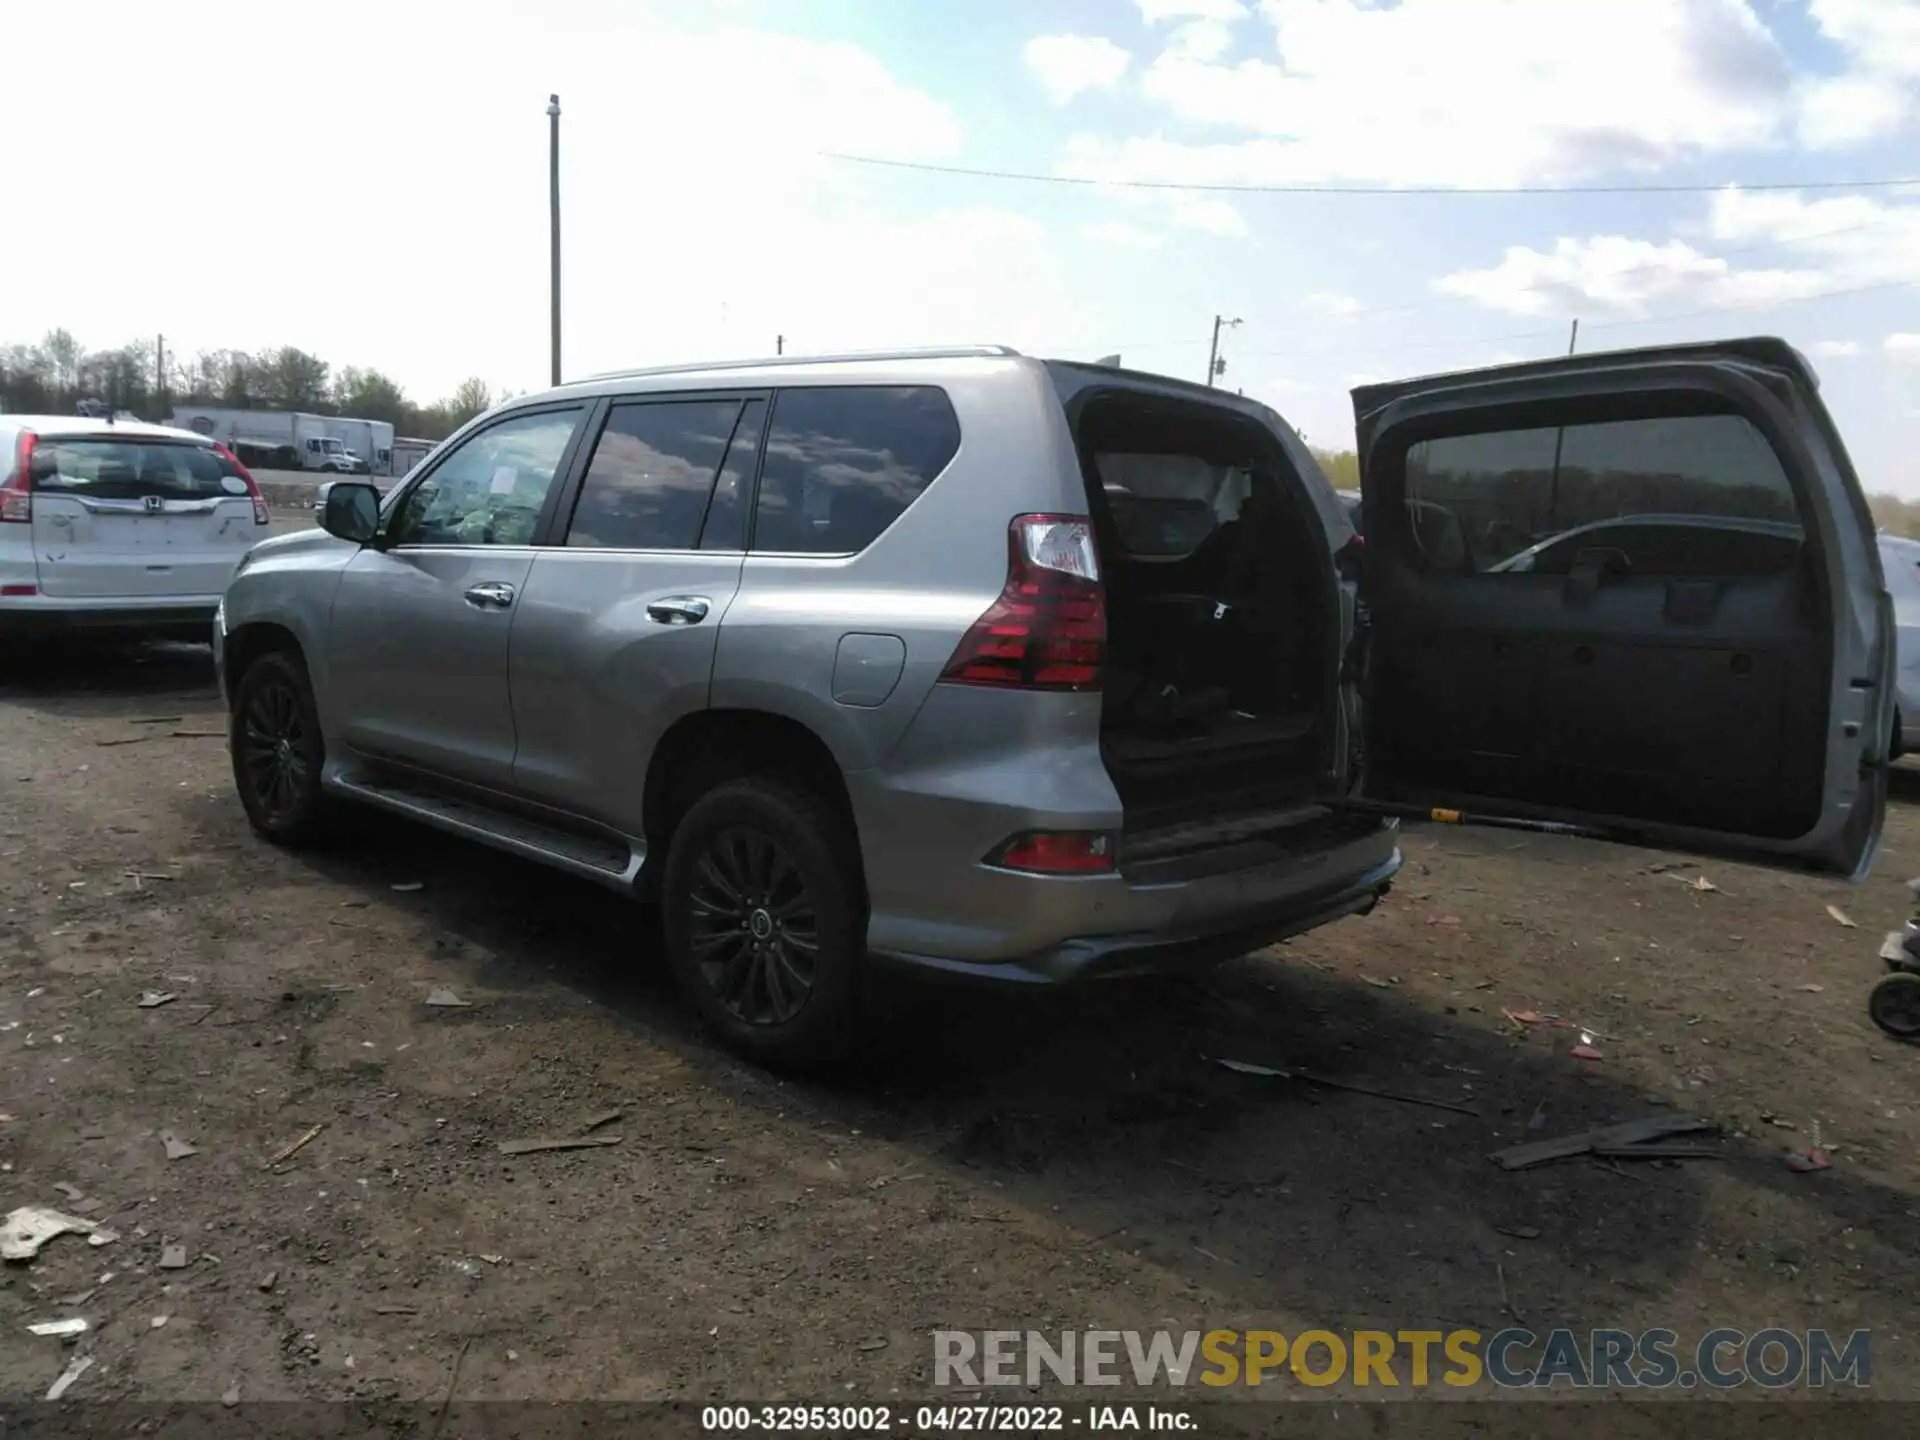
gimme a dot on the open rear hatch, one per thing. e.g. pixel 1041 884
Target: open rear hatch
pixel 1220 719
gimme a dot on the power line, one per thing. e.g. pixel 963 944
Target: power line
pixel 1090 181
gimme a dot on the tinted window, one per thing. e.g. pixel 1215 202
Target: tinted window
pixel 726 527
pixel 1478 501
pixel 134 469
pixel 488 490
pixel 652 474
pixel 843 463
pixel 1168 505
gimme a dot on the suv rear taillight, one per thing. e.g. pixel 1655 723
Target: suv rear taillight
pixel 1048 629
pixel 261 515
pixel 16 494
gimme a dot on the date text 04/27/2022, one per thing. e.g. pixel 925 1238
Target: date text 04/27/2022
pixel 944 1419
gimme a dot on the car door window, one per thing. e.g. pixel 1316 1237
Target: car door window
pixel 488 491
pixel 652 475
pixel 1690 496
pixel 843 462
pixel 726 527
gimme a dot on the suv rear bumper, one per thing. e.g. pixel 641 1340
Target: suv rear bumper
pixel 31 616
pixel 1109 956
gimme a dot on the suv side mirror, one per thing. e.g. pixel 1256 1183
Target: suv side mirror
pixel 350 510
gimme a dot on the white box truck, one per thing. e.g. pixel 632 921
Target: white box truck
pixel 291 440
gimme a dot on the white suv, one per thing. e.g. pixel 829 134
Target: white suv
pixel 118 527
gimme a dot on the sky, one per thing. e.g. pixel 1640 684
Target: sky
pixel 369 182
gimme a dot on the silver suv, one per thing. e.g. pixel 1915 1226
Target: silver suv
pixel 1032 670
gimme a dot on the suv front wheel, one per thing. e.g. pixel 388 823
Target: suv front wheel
pixel 763 919
pixel 273 736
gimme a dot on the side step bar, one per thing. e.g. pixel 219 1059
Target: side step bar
pixel 615 863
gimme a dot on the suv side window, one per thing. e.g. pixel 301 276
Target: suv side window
pixel 843 462
pixel 1687 496
pixel 490 489
pixel 652 475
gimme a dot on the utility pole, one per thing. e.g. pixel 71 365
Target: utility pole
pixel 160 376
pixel 553 186
pixel 1574 338
pixel 1216 364
pixel 779 345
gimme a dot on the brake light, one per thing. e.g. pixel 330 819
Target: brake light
pixel 1056 852
pixel 261 515
pixel 1048 629
pixel 16 495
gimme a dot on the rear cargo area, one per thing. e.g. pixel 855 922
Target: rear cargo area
pixel 1222 625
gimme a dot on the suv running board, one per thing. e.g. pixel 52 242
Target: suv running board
pixel 610 862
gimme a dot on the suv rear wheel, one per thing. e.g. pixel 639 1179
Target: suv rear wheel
pixel 273 735
pixel 762 912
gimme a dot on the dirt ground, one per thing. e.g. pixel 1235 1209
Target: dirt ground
pixel 1057 1163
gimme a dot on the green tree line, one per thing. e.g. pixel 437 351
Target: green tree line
pixel 53 376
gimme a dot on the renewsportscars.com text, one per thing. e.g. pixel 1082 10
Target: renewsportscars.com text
pixel 1514 1358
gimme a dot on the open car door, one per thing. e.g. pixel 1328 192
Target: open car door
pixel 1634 593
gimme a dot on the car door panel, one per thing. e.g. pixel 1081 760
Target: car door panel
pixel 422 619
pixel 418 667
pixel 1742 709
pixel 598 675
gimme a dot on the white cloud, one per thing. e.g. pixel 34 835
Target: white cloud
pixel 1214 217
pixel 1119 232
pixel 1156 11
pixel 1202 39
pixel 1070 65
pixel 1500 92
pixel 1902 347
pixel 1854 240
pixel 1835 349
pixel 1620 277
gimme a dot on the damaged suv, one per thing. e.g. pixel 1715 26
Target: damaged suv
pixel 1034 670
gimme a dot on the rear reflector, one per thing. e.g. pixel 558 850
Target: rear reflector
pixel 19 589
pixel 1048 629
pixel 16 493
pixel 1056 852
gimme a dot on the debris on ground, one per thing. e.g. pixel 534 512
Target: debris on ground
pixel 75 1326
pixel 1699 883
pixel 1506 1302
pixel 232 1397
pixel 1628 1141
pixel 1585 1052
pixel 156 1322
pixel 1247 1067
pixel 177 1148
pixel 1811 1158
pixel 1840 917
pixel 1377 984
pixel 407 887
pixel 569 1142
pixel 877 1342
pixel 154 999
pixel 81 1364
pixel 1812 989
pixel 289 1151
pixel 395 1310
pixel 446 999
pixel 266 1280
pixel 31 1226
pixel 1519 1232
pixel 603 1117
pixel 173 1257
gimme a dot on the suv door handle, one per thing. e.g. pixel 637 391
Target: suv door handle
pixel 678 609
pixel 490 595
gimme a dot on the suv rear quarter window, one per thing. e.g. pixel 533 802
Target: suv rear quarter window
pixel 843 462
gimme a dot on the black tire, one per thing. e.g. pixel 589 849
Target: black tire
pixel 273 737
pixel 1895 1006
pixel 764 921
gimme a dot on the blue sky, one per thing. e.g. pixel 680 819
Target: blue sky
pixel 369 181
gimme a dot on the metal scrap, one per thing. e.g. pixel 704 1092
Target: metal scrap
pixel 1614 1142
pixel 32 1226
pixel 571 1142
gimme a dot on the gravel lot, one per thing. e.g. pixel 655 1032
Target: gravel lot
pixel 1054 1163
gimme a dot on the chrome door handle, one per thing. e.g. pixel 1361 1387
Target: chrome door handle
pixel 490 595
pixel 678 610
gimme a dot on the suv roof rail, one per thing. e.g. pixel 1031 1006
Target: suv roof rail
pixel 935 352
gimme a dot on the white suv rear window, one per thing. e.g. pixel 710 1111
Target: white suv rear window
pixel 132 469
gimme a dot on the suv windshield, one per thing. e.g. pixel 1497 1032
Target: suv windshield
pixel 132 469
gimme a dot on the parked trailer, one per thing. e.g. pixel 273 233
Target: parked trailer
pixel 291 440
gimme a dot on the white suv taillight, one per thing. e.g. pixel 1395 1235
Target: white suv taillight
pixel 1048 629
pixel 16 494
pixel 261 514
